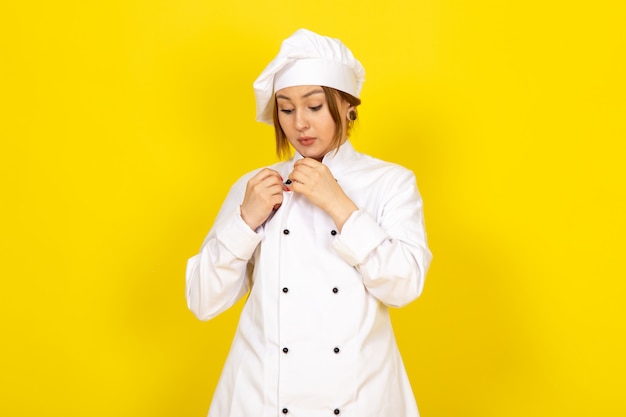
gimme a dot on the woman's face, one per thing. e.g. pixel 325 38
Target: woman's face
pixel 304 116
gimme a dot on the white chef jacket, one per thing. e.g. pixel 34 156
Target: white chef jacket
pixel 314 338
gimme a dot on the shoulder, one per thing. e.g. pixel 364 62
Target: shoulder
pixel 381 170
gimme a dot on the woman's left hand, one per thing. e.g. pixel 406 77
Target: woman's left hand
pixel 315 181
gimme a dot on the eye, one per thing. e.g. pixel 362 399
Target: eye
pixel 316 108
pixel 286 111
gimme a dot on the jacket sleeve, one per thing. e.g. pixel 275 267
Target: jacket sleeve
pixel 220 274
pixel 389 250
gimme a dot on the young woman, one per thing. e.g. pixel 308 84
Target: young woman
pixel 323 243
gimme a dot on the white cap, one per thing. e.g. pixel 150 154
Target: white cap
pixel 306 58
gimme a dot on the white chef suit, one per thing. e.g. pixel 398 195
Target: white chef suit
pixel 314 337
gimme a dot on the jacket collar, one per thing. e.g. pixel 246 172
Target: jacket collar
pixel 335 160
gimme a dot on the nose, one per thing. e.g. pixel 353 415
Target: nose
pixel 302 122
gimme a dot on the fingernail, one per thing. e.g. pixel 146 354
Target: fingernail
pixel 287 188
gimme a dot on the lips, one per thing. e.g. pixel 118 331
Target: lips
pixel 306 140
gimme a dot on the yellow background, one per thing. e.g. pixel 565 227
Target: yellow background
pixel 123 124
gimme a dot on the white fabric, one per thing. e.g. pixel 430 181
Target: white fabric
pixel 306 58
pixel 316 72
pixel 339 286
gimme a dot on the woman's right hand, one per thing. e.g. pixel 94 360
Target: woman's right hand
pixel 264 194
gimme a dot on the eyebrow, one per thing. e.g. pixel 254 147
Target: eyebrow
pixel 310 93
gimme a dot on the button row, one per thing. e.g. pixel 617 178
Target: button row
pixel 286 350
pixel 336 411
pixel 335 290
pixel 332 232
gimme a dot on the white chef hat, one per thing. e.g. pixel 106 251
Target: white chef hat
pixel 306 58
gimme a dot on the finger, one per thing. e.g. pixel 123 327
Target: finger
pixel 276 201
pixel 271 181
pixel 307 175
pixel 275 187
pixel 267 196
pixel 303 170
pixel 266 173
pixel 313 169
pixel 310 162
pixel 296 176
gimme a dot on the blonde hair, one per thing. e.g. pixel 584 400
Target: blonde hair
pixel 333 98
